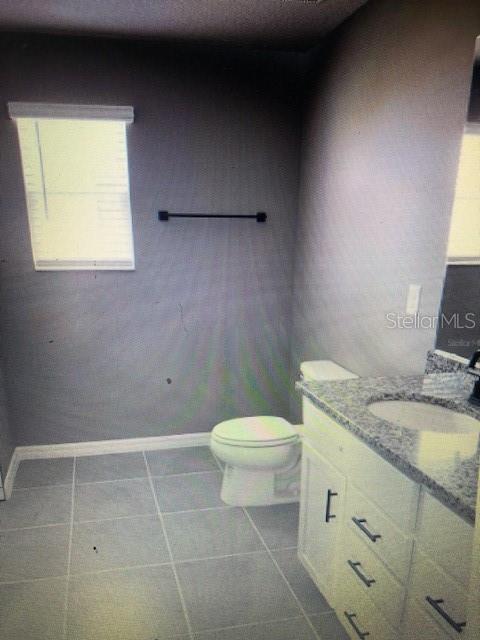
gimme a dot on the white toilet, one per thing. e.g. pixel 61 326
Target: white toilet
pixel 262 453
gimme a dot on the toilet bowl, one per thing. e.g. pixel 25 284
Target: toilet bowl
pixel 262 453
pixel 261 456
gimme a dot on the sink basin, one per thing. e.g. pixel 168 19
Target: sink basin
pixel 423 416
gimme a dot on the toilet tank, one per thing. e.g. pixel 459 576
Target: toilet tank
pixel 324 370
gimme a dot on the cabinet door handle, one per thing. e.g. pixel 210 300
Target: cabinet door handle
pixel 354 567
pixel 458 626
pixel 350 617
pixel 360 522
pixel 328 515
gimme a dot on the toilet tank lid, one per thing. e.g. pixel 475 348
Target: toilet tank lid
pixel 255 429
pixel 325 370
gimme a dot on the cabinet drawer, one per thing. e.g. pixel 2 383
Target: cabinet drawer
pixel 417 624
pixel 438 594
pixel 378 533
pixel 392 491
pixel 445 537
pixel 357 612
pixel 371 576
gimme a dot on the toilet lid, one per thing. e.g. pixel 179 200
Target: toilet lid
pixel 255 431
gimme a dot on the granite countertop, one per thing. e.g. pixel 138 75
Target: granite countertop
pixel 446 463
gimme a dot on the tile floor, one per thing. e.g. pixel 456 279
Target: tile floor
pixel 139 546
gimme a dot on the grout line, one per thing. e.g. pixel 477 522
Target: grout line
pixel 145 566
pixel 87 573
pixel 133 515
pixel 221 557
pixel 251 624
pixel 299 604
pixel 36 526
pixel 186 473
pixel 226 507
pixel 41 486
pixel 169 549
pixel 135 478
pixel 69 557
pixel 272 557
pixel 153 514
pixel 88 482
pixel 131 567
pixel 29 580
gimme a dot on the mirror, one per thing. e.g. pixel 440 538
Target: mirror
pixel 459 317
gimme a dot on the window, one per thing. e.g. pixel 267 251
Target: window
pixel 75 171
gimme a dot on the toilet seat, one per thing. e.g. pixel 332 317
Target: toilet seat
pixel 255 431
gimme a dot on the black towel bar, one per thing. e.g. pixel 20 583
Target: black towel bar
pixel 260 216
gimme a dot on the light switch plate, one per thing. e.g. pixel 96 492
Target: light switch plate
pixel 413 299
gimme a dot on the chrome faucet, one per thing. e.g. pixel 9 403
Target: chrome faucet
pixel 474 371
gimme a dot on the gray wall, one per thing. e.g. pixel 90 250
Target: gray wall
pixel 379 163
pixel 87 355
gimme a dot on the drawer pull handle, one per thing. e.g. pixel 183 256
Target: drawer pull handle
pixel 328 515
pixel 360 522
pixel 458 626
pixel 354 567
pixel 350 617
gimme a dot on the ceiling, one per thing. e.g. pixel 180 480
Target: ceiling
pixel 269 22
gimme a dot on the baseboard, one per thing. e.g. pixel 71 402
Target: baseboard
pixel 98 447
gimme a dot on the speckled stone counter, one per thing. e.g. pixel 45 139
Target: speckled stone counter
pixel 446 463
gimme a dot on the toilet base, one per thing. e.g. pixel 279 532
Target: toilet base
pixel 243 487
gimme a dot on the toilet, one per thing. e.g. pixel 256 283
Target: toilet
pixel 262 454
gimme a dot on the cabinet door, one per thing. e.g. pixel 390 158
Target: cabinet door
pixel 321 514
pixel 418 625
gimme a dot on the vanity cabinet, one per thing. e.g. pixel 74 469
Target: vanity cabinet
pixel 323 488
pixel 394 563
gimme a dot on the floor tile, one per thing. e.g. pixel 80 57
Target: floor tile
pixel 31 507
pixel 113 466
pixel 293 629
pixel 203 534
pixel 237 590
pixel 113 500
pixel 194 491
pixel 118 543
pixel 40 473
pixel 141 604
pixel 278 524
pixel 185 460
pixel 303 586
pixel 329 627
pixel 32 610
pixel 34 553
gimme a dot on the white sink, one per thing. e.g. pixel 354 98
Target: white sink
pixel 422 416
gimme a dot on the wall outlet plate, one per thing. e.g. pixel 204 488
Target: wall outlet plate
pixel 413 299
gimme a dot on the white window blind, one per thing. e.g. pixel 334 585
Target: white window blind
pixel 75 169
